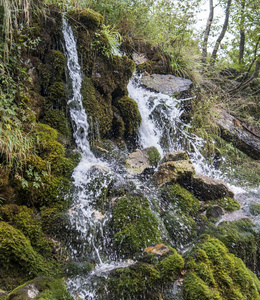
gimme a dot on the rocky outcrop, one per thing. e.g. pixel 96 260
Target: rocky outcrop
pixel 206 188
pixel 174 156
pixel 139 160
pixel 166 84
pixel 241 134
pixel 172 171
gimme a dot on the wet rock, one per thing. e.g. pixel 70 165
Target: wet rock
pixel 139 160
pixel 214 211
pixel 41 288
pixel 174 170
pixel 139 58
pixel 241 134
pixel 159 249
pixel 206 188
pixel 175 156
pixel 166 84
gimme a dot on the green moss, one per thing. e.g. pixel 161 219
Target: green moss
pixel 24 219
pixel 57 120
pixel 196 288
pixel 154 156
pixel 99 111
pixel 229 204
pixel 56 95
pixel 130 113
pixel 139 281
pixel 171 266
pixel 181 228
pixel 254 209
pixel 134 225
pixel 89 18
pixel 56 60
pixel 240 238
pixel 16 250
pixel 180 198
pixel 214 273
pixel 48 288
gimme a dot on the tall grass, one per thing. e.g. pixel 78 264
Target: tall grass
pixel 15 147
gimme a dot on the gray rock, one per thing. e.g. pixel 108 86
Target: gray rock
pixel 139 160
pixel 166 84
pixel 206 188
pixel 175 156
pixel 172 171
pixel 241 134
pixel 139 58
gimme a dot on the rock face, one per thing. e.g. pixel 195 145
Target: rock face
pixel 139 58
pixel 139 160
pixel 244 137
pixel 206 188
pixel 174 156
pixel 172 171
pixel 166 84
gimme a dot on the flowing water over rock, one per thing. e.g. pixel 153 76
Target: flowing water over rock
pixel 91 177
pixel 161 127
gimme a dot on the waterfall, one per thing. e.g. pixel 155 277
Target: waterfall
pixel 90 177
pixel 163 128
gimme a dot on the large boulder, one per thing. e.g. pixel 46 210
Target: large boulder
pixel 241 134
pixel 175 156
pixel 166 84
pixel 206 188
pixel 173 171
pixel 139 160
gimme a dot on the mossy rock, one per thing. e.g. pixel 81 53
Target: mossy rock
pixel 130 113
pixel 214 273
pixel 181 228
pixel 180 198
pixel 139 281
pixel 57 120
pixel 88 18
pixel 134 225
pixel 240 238
pixel 24 219
pixel 56 96
pixel 16 250
pixel 171 266
pixel 99 111
pixel 41 288
pixel 254 209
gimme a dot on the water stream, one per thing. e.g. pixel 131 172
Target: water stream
pixel 161 127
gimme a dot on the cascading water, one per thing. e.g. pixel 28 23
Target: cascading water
pixel 161 127
pixel 90 177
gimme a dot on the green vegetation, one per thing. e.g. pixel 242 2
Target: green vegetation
pixel 134 225
pixel 214 273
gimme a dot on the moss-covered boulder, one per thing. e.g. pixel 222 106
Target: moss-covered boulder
pixel 41 288
pixel 206 188
pixel 87 18
pixel 180 198
pixel 135 226
pixel 139 281
pixel 174 156
pixel 241 239
pixel 99 111
pixel 139 160
pixel 129 111
pixel 26 220
pixel 174 171
pixel 214 273
pixel 16 253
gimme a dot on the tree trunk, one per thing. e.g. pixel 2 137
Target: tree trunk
pixel 221 36
pixel 207 31
pixel 242 33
